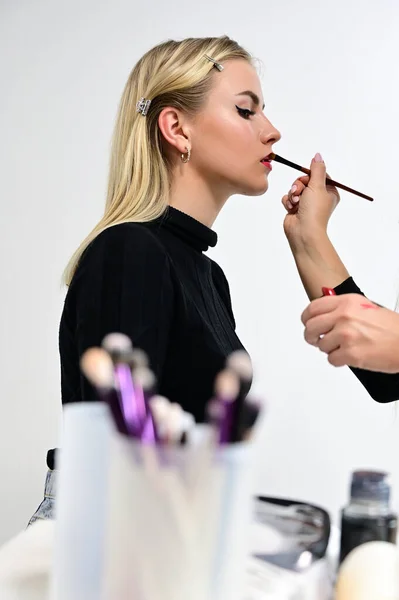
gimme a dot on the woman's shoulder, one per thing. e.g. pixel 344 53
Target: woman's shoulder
pixel 123 241
pixel 137 236
pixel 120 249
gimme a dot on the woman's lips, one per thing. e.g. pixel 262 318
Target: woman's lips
pixel 267 164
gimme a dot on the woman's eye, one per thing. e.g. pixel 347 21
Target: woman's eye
pixel 245 113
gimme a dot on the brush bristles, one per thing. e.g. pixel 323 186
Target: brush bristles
pixel 240 363
pixel 116 343
pixel 96 365
pixel 159 406
pixel 144 377
pixel 188 422
pixel 227 385
pixel 171 422
pixel 174 425
pixel 139 358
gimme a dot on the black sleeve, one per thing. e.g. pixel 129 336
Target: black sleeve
pixel 382 387
pixel 124 285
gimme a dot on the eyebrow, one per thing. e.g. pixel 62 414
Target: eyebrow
pixel 254 97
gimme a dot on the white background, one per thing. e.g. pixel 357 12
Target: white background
pixel 331 85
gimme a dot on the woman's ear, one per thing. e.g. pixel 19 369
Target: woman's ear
pixel 174 128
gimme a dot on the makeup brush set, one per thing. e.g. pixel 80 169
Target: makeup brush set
pixel 122 378
pixel 165 504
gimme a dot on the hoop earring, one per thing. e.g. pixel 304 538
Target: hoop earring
pixel 186 157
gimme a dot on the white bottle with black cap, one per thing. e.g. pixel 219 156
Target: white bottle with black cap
pixel 368 516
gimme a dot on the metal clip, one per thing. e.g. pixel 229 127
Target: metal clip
pixel 217 65
pixel 142 106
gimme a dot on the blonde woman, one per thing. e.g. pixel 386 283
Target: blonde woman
pixel 190 133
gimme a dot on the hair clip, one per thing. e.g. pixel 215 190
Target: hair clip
pixel 217 65
pixel 142 106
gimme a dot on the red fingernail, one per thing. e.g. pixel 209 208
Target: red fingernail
pixel 328 291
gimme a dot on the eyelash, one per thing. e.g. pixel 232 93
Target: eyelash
pixel 245 113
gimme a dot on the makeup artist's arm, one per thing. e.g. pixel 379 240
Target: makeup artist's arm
pixel 309 208
pixel 124 284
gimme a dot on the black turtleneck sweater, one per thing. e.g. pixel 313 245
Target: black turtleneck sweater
pixel 152 282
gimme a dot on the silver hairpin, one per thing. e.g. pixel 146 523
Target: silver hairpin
pixel 217 65
pixel 142 106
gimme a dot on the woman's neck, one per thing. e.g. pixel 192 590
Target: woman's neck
pixel 195 197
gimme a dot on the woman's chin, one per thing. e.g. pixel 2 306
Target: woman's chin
pixel 258 190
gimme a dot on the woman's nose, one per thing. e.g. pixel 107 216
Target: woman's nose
pixel 269 134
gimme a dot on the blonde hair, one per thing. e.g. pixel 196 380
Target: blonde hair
pixel 171 74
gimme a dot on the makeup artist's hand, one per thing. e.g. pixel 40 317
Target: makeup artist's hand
pixel 353 331
pixel 309 205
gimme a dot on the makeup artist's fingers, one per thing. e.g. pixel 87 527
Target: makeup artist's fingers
pixel 318 326
pixel 318 173
pixel 297 187
pixel 318 177
pixel 330 342
pixel 295 192
pixel 337 358
pixel 320 306
pixel 293 197
pixel 303 180
pixel 313 204
pixel 286 202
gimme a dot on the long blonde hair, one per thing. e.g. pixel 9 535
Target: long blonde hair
pixel 171 74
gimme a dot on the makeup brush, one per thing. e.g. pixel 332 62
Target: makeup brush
pixel 329 181
pixel 138 358
pixel 144 384
pixel 222 409
pixel 250 412
pixel 187 425
pixel 97 367
pixel 143 377
pixel 173 425
pixel 119 348
pixel 118 345
pixel 240 362
pixel 159 406
pixel 177 425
